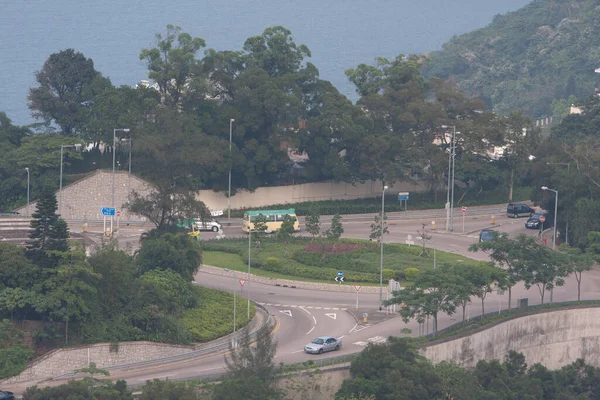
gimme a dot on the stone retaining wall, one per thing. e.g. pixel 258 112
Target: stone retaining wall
pixel 344 287
pixel 62 361
pixel 554 339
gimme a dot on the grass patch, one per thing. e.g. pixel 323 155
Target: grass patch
pixel 213 317
pixel 417 201
pixel 320 261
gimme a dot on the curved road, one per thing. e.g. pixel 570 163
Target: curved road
pixel 300 315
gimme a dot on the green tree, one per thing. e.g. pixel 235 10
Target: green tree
pixel 578 263
pixel 158 389
pixel 88 389
pixel 483 278
pixel 438 290
pixel 313 224
pixel 176 252
pixel 14 354
pixel 178 293
pixel 165 207
pixel 541 266
pixel 172 64
pixel 284 233
pixel 251 370
pixel 68 83
pixel 49 232
pixel 336 229
pixel 70 289
pixel 376 228
pixel 505 253
pixel 260 229
pixel 394 370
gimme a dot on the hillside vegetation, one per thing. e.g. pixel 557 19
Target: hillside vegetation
pixel 525 59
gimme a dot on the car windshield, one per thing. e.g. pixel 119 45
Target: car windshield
pixel 487 235
pixel 536 216
pixel 318 341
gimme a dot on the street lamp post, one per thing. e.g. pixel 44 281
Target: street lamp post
pixel 62 147
pixel 453 169
pixel 381 245
pixel 568 164
pixel 231 121
pixel 554 230
pixel 114 149
pixel 450 176
pixel 248 279
pixel 28 213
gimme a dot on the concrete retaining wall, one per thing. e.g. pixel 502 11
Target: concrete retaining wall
pixel 84 199
pixel 62 361
pixel 553 339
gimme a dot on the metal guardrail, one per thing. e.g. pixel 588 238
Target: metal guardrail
pixel 180 357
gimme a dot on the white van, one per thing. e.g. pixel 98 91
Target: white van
pixel 212 225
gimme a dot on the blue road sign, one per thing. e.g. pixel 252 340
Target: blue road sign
pixel 340 273
pixel 107 211
pixel 403 196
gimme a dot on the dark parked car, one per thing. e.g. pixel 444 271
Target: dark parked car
pixel 534 221
pixel 6 395
pixel 517 210
pixel 486 235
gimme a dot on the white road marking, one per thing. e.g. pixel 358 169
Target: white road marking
pixel 360 343
pixel 335 308
pixel 304 309
pixel 293 306
pixel 277 305
pixel 358 330
pixel 341 337
pixel 318 308
pixel 326 308
pixel 286 312
pixel 353 328
pixel 332 315
pixel 298 351
pixel 285 305
pixel 311 329
pixel 314 319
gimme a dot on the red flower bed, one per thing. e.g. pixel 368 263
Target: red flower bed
pixel 332 249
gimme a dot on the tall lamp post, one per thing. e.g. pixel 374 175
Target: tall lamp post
pixel 545 188
pixel 381 245
pixel 62 150
pixel 27 169
pixel 568 164
pixel 114 149
pixel 449 203
pixel 231 121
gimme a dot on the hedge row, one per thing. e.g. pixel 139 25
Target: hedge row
pixel 417 201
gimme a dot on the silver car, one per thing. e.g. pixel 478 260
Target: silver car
pixel 323 344
pixel 212 225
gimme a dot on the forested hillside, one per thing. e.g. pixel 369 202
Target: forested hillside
pixel 547 50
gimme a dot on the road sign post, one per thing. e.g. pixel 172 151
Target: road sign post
pixel 357 288
pixel 108 212
pixel 464 211
pixel 340 277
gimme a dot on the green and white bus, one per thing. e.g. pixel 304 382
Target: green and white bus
pixel 274 219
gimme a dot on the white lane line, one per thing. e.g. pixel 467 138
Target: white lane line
pixel 208 369
pixel 341 337
pixel 309 307
pixel 343 309
pixel 352 330
pixel 277 305
pixel 318 308
pixel 304 309
pixel 314 319
pixel 326 308
pixel 262 304
pixel 285 305
pixel 293 306
pixel 311 329
pixel 298 351
pixel 335 308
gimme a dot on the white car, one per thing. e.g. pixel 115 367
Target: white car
pixel 212 225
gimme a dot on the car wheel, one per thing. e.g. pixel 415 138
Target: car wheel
pixel 215 229
pixel 337 347
pixel 320 351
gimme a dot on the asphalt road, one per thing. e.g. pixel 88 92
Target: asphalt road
pixel 301 315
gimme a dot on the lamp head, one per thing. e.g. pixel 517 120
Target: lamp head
pixel 544 188
pixel 126 130
pixel 232 120
pixel 27 169
pixel 385 188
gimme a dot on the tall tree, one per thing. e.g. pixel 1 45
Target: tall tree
pixel 313 223
pixel 172 64
pixel 49 232
pixel 578 263
pixel 506 253
pixel 376 228
pixel 251 370
pixel 68 84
